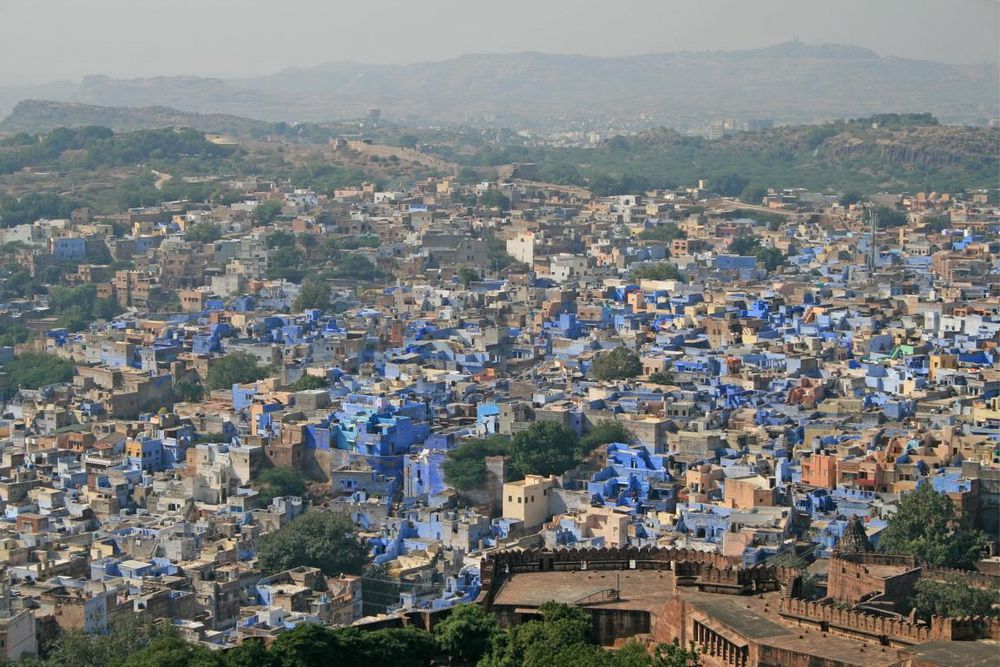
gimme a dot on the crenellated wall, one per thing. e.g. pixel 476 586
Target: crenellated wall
pixel 894 631
pixel 708 571
pixel 974 579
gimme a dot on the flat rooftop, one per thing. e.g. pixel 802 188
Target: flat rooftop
pixel 967 654
pixel 637 589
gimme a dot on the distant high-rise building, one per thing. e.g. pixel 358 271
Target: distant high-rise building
pixel 716 130
pixel 758 124
pixel 373 117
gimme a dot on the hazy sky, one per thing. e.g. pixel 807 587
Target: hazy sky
pixel 44 40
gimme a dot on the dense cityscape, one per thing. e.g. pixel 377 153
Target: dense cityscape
pixel 570 392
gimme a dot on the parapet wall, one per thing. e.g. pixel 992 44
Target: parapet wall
pixel 974 579
pixel 894 631
pixel 709 571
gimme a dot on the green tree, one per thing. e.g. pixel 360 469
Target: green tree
pixel 618 364
pixel 744 245
pixel 661 377
pixel 631 654
pixel 657 271
pixel 544 448
pixel 313 294
pixel 314 539
pixel 307 382
pixel 953 597
pixel 203 232
pixel 408 140
pixel 753 193
pixel 730 185
pixel 280 481
pixel 667 231
pixel 266 212
pixel 890 217
pixel 285 263
pixel 541 643
pixel 771 258
pixel 467 633
pixel 467 275
pixel 173 651
pixel 279 238
pixel 15 335
pixel 497 249
pixel 925 526
pixel 673 655
pixel 388 647
pixel 850 198
pixel 937 223
pixel 333 243
pixel 126 635
pixel 356 267
pixel 465 465
pixel 235 368
pixel 250 652
pixel 33 370
pixel 107 308
pixel 379 590
pixel 494 199
pixel 313 644
pixel 307 644
pixel 603 433
pixel 188 391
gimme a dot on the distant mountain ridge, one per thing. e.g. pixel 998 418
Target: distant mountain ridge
pixel 34 116
pixel 789 83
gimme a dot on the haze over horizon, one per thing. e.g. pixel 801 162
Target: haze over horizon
pixel 232 38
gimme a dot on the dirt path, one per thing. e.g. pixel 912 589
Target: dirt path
pixel 161 179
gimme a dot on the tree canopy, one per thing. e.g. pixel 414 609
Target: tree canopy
pixel 285 263
pixel 750 246
pixel 235 368
pixel 618 364
pixel 744 245
pixel 314 539
pixel 544 448
pixel 954 597
pixel 356 267
pixel 564 635
pixel 890 217
pixel 730 185
pixel 561 637
pixel 468 633
pixel 465 465
pixel 203 232
pixel 280 481
pixel 313 294
pixel 661 377
pixel 307 382
pixel 78 306
pixel 33 370
pixel 926 526
pixel 467 275
pixel 850 197
pixel 753 193
pixel 657 271
pixel 603 433
pixel 267 211
pixel 494 199
pixel 667 231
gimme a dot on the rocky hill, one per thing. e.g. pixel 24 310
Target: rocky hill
pixel 891 152
pixel 34 116
pixel 789 83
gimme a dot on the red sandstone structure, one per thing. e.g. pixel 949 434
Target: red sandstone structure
pixel 736 615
